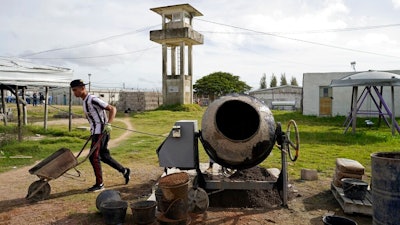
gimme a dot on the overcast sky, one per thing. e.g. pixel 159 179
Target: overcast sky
pixel 110 39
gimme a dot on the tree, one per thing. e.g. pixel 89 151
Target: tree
pixel 283 79
pixel 218 84
pixel 274 81
pixel 263 82
pixel 293 82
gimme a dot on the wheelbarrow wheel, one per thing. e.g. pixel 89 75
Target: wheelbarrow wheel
pixel 38 191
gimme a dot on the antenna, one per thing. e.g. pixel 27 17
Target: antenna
pixel 353 65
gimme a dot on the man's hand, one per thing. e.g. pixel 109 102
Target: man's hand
pixel 107 128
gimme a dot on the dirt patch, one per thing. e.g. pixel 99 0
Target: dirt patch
pixel 251 198
pixel 70 205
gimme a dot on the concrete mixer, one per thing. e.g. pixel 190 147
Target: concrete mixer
pixel 238 132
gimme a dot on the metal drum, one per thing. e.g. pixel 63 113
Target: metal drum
pixel 385 187
pixel 238 131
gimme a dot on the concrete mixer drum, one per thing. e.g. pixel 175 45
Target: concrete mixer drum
pixel 238 131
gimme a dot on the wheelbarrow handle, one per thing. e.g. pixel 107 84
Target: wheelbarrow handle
pixel 84 146
pixel 92 149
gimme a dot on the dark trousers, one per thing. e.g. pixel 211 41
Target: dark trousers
pixel 101 153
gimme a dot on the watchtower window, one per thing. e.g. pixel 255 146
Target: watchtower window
pixel 176 17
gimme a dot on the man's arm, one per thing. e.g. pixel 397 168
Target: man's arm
pixel 112 111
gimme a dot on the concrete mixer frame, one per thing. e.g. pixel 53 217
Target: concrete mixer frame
pixel 180 150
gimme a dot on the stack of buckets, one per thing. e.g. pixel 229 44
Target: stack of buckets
pixel 109 203
pixel 173 199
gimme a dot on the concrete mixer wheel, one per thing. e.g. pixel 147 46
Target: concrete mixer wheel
pixel 293 142
pixel 198 200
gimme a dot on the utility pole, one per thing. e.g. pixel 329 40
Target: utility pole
pixel 89 80
pixel 353 65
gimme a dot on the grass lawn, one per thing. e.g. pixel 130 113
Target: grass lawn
pixel 321 141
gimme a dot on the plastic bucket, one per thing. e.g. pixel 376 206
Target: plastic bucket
pixel 385 188
pixel 177 210
pixel 354 188
pixel 144 212
pixel 114 212
pixel 107 195
pixel 337 220
pixel 174 186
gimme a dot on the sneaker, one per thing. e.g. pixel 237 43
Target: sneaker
pixel 96 188
pixel 127 175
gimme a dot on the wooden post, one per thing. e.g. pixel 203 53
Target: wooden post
pixel 18 114
pixel 25 111
pixel 70 111
pixel 46 109
pixel 4 107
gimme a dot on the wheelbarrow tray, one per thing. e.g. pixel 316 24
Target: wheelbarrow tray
pixel 55 165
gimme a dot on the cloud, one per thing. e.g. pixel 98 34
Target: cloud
pixel 396 4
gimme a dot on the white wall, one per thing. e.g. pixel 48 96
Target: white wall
pixel 341 102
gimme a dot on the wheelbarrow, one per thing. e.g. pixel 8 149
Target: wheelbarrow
pixel 53 167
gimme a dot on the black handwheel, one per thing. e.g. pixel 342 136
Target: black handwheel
pixel 39 190
pixel 293 140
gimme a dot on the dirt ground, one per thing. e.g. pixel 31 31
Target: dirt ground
pixel 69 204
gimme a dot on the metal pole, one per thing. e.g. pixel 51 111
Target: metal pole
pixel 393 111
pixel 354 112
pixel 89 80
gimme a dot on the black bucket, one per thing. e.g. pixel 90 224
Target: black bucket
pixel 114 212
pixel 107 195
pixel 354 188
pixel 144 212
pixel 385 186
pixel 337 220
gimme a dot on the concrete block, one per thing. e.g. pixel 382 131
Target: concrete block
pixel 309 174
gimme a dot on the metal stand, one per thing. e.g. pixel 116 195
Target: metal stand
pixel 281 183
pixel 180 150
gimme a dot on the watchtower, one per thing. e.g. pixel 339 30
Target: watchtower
pixel 177 38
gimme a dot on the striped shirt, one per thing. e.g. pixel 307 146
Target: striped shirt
pixel 95 112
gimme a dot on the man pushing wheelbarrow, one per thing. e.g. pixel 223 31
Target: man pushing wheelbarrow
pixel 63 160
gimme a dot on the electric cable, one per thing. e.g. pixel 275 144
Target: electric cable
pixel 91 42
pixel 299 40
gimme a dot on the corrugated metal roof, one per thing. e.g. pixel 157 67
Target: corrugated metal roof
pixel 24 73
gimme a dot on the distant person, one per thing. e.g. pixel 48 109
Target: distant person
pixel 41 98
pixel 100 126
pixel 35 99
pixel 50 100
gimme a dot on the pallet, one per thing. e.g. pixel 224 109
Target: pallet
pixel 351 206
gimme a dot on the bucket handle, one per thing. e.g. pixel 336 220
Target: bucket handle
pixel 172 203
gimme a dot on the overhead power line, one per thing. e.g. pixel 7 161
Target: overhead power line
pixel 312 31
pixel 90 43
pixel 98 56
pixel 298 40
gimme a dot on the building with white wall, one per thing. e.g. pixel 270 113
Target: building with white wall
pixel 283 94
pixel 322 100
